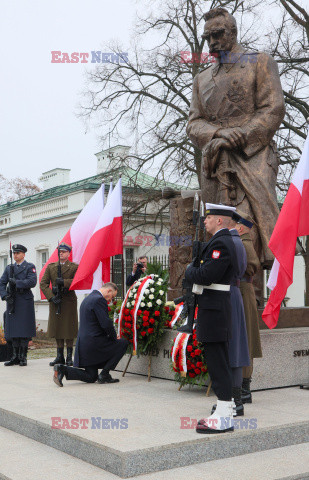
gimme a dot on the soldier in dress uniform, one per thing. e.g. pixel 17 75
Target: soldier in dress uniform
pixel 62 326
pixel 97 345
pixel 244 225
pixel 238 346
pixel 19 325
pixel 211 281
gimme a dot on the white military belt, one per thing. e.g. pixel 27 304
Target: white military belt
pixel 198 289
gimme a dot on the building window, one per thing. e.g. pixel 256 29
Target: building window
pixel 44 257
pixel 3 263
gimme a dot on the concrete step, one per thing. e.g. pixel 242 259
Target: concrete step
pixel 37 461
pixel 135 427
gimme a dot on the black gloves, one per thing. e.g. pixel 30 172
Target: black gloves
pixel 12 281
pixel 56 300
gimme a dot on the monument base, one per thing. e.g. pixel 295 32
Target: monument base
pixel 285 359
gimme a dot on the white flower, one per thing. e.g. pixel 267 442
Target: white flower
pixel 149 304
pixel 128 304
pixel 160 279
pixel 151 296
pixel 151 282
pixel 142 304
pixel 161 292
pixel 146 291
pixel 159 284
pixel 130 294
pixel 152 290
pixel 159 302
pixel 143 297
pixel 135 295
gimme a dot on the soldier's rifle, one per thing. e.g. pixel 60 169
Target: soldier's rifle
pixel 189 298
pixel 11 287
pixel 58 288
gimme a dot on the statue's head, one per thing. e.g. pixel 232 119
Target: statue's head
pixel 220 30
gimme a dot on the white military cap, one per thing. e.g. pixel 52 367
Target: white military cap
pixel 219 209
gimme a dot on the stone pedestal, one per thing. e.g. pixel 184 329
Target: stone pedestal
pixel 285 359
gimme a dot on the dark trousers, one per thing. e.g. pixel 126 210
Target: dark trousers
pixel 90 374
pixel 217 361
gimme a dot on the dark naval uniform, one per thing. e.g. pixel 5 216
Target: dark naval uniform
pixel 19 326
pixel 97 345
pixel 238 346
pixel 214 326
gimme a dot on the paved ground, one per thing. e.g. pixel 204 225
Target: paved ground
pixel 36 462
pixel 152 413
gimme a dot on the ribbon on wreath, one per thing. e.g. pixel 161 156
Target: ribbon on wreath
pixel 139 295
pixel 180 348
pixel 177 313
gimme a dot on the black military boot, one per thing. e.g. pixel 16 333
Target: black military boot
pixel 14 360
pixel 69 361
pixel 59 358
pixel 23 356
pixel 246 396
pixel 105 377
pixel 236 393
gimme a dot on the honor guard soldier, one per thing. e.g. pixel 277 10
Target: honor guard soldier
pixel 211 282
pixel 63 317
pixel 244 225
pixel 97 345
pixel 15 288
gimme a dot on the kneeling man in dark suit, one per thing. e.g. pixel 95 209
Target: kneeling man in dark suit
pixel 97 345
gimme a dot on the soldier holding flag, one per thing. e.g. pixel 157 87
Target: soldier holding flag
pixel 63 317
pixel 15 288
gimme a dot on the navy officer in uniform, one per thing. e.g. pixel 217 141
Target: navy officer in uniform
pixel 211 282
pixel 97 345
pixel 19 325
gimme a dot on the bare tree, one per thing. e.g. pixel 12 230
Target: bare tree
pixel 16 188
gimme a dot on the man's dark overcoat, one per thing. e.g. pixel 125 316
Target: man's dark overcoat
pixel 97 339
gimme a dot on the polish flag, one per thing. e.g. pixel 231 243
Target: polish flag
pixel 293 222
pixel 80 233
pixel 105 242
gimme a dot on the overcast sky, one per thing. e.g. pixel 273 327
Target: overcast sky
pixel 39 129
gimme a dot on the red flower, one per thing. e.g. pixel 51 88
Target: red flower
pixel 132 312
pixel 171 312
pixel 157 314
pixel 192 375
pixel 204 369
pixel 109 309
pixel 143 334
pixel 192 354
pixel 127 325
pixel 150 330
pixel 189 348
pixel 199 364
pixel 195 343
pixel 145 318
pixel 139 312
pixel 198 351
pixel 126 311
pixel 117 320
pixel 197 371
pixel 114 303
pixel 145 324
pixel 145 312
pixel 152 321
pixel 166 309
pixel 194 337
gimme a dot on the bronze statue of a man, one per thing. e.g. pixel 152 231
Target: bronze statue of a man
pixel 237 106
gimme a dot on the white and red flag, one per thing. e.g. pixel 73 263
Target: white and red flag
pixel 81 231
pixel 293 222
pixel 105 242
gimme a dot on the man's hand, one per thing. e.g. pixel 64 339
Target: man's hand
pixel 56 300
pixel 12 281
pixel 214 146
pixel 134 268
pixel 54 290
pixel 59 281
pixel 235 136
